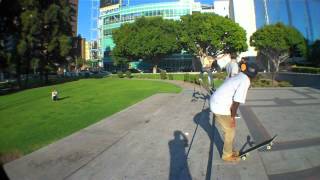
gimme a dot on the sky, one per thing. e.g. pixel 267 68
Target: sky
pixel 84 14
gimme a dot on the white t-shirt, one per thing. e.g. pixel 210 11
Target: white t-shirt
pixel 233 89
pixel 232 68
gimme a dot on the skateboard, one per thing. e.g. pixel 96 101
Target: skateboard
pixel 268 143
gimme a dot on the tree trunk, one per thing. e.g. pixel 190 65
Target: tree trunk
pixel 27 73
pixel 46 76
pixel 27 79
pixel 1 75
pixel 18 71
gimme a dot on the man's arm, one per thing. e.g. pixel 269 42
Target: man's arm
pixel 234 108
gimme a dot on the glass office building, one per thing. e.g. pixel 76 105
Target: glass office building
pixel 301 14
pixel 115 13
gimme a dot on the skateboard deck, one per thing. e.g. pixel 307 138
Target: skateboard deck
pixel 268 143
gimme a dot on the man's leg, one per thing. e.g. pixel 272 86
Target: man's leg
pixel 229 134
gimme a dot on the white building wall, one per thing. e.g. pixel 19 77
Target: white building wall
pixel 221 7
pixel 244 14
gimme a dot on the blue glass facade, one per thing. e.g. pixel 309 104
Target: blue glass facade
pixel 302 14
pixel 128 11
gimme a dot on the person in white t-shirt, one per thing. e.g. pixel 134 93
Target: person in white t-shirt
pixel 232 67
pixel 224 103
pixel 54 95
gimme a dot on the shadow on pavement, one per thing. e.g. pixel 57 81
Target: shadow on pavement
pixel 196 95
pixel 179 168
pixel 203 119
pixel 248 142
pixel 3 174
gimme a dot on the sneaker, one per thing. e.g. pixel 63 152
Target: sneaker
pixel 235 153
pixel 237 116
pixel 231 159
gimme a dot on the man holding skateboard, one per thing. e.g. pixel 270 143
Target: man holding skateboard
pixel 224 103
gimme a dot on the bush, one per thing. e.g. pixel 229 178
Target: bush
pixel 170 76
pixel 128 74
pixel 9 156
pixel 186 77
pixel 284 84
pixel 300 69
pixel 196 79
pixel 268 83
pixel 163 74
pixel 120 74
pixel 220 75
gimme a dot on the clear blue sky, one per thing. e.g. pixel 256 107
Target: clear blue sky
pixel 84 14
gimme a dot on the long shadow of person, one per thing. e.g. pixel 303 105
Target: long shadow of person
pixel 179 168
pixel 203 119
pixel 196 95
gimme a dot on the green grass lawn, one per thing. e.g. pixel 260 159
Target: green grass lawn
pixel 30 120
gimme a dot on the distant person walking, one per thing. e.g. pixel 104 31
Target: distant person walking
pixel 232 67
pixel 224 103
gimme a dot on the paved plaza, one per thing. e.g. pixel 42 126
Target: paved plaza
pixel 173 136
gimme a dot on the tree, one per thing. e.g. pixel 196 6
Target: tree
pixel 277 42
pixel 149 39
pixel 315 52
pixel 32 29
pixel 9 35
pixel 209 35
pixel 29 43
pixel 58 41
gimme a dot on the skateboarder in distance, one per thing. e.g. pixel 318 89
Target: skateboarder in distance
pixel 224 103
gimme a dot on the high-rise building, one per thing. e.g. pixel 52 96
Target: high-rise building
pixel 304 15
pixel 87 51
pixel 74 22
pixel 113 13
pixel 301 14
pixel 243 13
pixel 249 14
pixel 221 7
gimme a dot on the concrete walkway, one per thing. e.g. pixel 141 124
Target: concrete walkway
pixel 171 136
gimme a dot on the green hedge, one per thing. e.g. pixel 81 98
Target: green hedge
pixel 300 69
pixel 218 79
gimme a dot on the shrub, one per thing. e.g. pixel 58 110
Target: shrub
pixel 170 76
pixel 284 84
pixel 186 77
pixel 128 74
pixel 120 74
pixel 300 69
pixel 220 75
pixel 9 156
pixel 163 74
pixel 196 79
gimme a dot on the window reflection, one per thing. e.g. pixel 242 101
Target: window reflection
pixel 302 14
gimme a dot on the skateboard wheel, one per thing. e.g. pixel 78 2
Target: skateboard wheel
pixel 244 158
pixel 269 147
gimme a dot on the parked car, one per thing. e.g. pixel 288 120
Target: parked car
pixel 135 70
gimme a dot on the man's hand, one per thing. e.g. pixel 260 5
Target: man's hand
pixel 233 122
